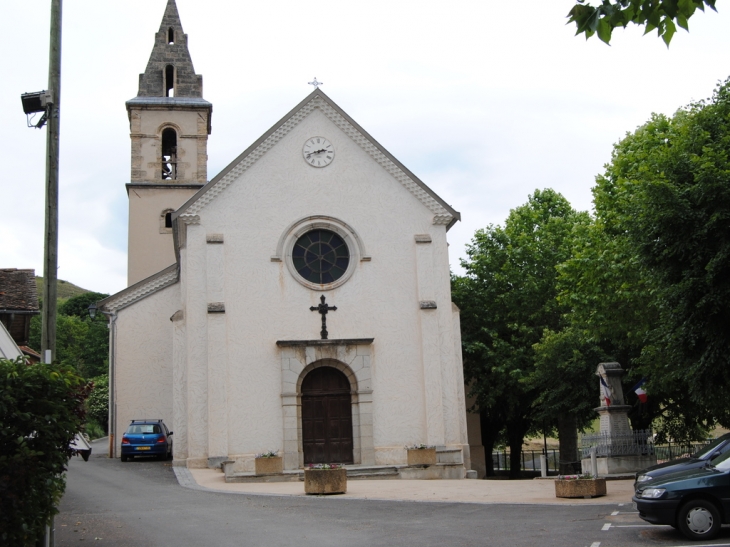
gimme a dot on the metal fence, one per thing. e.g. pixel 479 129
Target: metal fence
pixel 633 443
pixel 672 451
pixel 530 460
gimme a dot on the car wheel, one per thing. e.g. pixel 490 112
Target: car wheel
pixel 699 519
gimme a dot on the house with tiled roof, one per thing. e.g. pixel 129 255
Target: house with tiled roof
pixel 18 304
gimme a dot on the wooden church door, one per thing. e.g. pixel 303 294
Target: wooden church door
pixel 326 417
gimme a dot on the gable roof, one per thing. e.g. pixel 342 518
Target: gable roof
pixel 443 213
pixel 18 291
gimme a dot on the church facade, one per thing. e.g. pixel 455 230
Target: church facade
pixel 299 301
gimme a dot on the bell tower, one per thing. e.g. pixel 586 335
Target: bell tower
pixel 169 127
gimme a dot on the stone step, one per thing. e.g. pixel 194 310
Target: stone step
pixel 379 472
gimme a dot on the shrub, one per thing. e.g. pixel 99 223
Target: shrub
pixel 98 402
pixel 41 410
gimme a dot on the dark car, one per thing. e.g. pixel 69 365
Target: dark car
pixel 147 438
pixel 714 449
pixel 696 501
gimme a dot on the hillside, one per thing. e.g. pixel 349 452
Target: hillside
pixel 65 289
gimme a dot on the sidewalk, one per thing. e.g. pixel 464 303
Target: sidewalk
pixel 453 491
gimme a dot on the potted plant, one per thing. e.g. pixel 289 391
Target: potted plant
pixel 268 463
pixel 325 478
pixel 421 454
pixel 579 486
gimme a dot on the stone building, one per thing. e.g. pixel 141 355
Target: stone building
pixel 299 301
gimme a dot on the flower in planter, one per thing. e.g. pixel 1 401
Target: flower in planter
pixel 583 477
pixel 419 447
pixel 325 466
pixel 269 454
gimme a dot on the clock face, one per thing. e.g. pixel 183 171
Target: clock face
pixel 318 152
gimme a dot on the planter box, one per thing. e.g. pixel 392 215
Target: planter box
pixel 325 481
pixel 580 488
pixel 422 456
pixel 268 466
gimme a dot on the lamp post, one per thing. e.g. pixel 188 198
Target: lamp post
pixel 93 310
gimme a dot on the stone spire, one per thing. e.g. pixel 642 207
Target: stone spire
pixel 170 71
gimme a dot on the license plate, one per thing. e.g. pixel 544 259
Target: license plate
pixel 142 448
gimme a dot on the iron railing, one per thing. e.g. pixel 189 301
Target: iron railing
pixel 530 460
pixel 634 443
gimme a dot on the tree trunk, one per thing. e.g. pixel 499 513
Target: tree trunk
pixel 490 433
pixel 515 437
pixel 568 437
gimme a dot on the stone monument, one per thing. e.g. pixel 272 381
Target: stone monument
pixel 618 448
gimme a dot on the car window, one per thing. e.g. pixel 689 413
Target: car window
pixel 710 447
pixel 722 461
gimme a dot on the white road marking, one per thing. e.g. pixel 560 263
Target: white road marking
pixel 614 513
pixel 621 504
pixel 606 527
pixel 596 544
pixel 643 526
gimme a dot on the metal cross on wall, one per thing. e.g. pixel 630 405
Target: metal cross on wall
pixel 323 308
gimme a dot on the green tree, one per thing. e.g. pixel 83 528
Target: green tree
pixel 662 15
pixel 80 341
pixel 507 300
pixel 41 410
pixel 668 190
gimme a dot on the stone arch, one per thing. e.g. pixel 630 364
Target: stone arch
pixel 352 358
pixel 333 363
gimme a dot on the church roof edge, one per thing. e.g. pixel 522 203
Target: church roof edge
pixel 318 93
pixel 141 289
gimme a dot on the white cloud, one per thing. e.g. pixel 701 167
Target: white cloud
pixel 485 101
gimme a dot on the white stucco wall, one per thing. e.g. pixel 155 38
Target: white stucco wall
pixel 264 303
pixel 143 360
pixel 150 247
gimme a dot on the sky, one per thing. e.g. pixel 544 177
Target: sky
pixel 484 100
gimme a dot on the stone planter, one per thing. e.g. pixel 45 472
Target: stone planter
pixel 421 456
pixel 268 466
pixel 325 481
pixel 580 488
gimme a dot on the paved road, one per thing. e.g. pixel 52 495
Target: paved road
pixel 140 504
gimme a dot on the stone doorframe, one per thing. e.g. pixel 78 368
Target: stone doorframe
pixel 352 357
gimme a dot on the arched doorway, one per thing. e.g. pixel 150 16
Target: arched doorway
pixel 326 417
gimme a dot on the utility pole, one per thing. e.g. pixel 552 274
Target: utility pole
pixel 50 258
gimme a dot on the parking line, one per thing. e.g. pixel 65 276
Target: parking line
pixel 643 526
pixel 606 526
pixel 596 544
pixel 614 513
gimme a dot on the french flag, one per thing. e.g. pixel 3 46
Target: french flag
pixel 640 393
pixel 605 391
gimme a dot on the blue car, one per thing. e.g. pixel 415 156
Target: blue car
pixel 147 438
pixel 696 501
